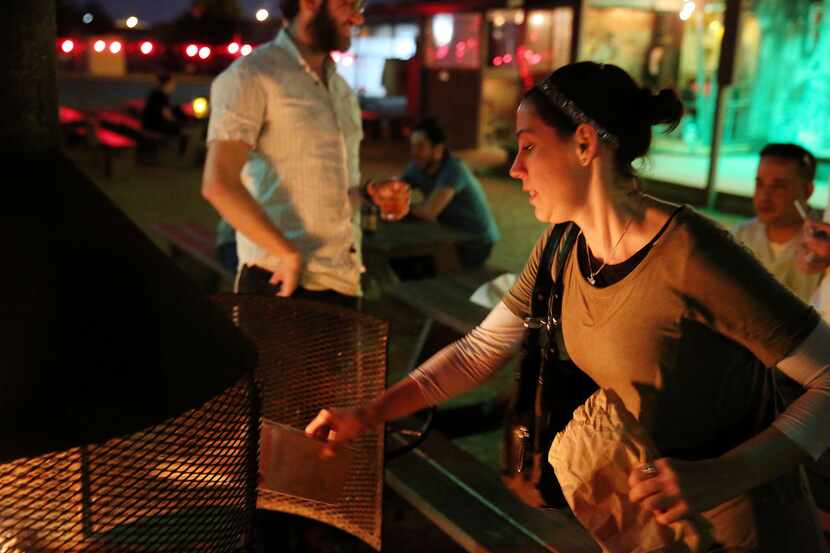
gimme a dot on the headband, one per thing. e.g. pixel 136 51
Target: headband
pixel 575 113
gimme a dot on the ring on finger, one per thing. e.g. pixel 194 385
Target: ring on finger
pixel 649 469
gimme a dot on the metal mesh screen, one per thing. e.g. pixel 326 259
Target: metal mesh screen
pixel 313 356
pixel 187 484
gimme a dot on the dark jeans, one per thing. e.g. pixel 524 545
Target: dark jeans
pixel 253 280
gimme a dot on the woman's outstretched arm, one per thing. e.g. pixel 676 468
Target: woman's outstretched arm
pixel 457 368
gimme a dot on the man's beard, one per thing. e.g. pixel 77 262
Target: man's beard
pixel 325 32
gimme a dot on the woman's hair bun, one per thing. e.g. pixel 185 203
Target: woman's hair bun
pixel 664 107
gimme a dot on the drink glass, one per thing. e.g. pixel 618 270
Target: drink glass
pixel 392 197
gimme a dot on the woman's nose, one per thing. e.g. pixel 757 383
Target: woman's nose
pixel 517 170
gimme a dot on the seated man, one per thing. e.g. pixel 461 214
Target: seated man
pixel 785 175
pixel 451 193
pixel 159 115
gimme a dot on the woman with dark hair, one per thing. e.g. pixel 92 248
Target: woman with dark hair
pixel 661 308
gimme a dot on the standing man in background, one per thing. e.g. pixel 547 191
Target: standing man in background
pixel 282 162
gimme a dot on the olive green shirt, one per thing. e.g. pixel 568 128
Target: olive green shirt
pixel 684 338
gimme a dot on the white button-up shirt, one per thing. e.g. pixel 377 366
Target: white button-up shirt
pixel 753 233
pixel 306 139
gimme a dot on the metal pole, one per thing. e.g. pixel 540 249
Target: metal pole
pixel 726 72
pixel 28 97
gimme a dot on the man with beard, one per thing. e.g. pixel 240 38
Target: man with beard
pixel 282 161
pixel 282 169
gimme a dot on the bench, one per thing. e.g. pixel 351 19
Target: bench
pixel 468 501
pixel 195 244
pixel 444 303
pixel 462 496
pixel 116 151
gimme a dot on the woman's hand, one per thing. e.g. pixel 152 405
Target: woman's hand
pixel 341 425
pixel 673 489
pixel 814 251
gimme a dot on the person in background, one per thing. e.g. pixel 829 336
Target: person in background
pixel 159 115
pixel 452 195
pixel 785 175
pixel 282 166
pixel 282 169
pixel 814 258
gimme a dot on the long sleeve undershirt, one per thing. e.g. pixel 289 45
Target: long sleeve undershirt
pixel 467 362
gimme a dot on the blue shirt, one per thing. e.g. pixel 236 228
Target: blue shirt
pixel 468 210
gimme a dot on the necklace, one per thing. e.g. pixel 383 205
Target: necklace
pixel 592 275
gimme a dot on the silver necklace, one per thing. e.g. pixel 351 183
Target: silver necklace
pixel 592 275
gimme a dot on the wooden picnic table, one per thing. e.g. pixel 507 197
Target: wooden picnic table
pixel 415 238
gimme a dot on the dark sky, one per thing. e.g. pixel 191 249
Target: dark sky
pixel 164 10
pixel 154 11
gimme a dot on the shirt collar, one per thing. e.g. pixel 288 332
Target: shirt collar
pixel 285 41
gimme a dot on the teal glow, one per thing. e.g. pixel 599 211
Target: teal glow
pixel 790 98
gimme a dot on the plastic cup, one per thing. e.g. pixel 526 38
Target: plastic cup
pixel 392 197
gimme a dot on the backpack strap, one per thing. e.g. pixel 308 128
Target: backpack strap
pixel 537 345
pixel 540 303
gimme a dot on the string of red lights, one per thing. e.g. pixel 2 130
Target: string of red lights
pixel 191 50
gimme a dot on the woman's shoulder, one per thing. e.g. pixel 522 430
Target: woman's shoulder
pixel 709 250
pixel 695 232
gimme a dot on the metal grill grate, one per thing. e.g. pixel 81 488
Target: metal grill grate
pixel 313 356
pixel 187 484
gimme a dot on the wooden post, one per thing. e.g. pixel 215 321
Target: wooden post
pixel 28 97
pixel 726 74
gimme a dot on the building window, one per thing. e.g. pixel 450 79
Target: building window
pixel 548 39
pixel 452 41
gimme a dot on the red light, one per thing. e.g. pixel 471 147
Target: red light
pixel 204 52
pixel 497 61
pixel 191 50
pixel 146 47
pixel 442 52
pixel 115 47
pixel 67 46
pixel 246 49
pixel 233 48
pixel 100 46
pixel 507 58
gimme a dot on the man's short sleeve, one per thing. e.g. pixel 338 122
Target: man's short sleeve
pixel 237 106
pixel 451 176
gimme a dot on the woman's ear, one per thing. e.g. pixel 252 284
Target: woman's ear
pixel 587 143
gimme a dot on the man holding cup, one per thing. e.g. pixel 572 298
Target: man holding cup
pixel 783 184
pixel 451 193
pixel 282 162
